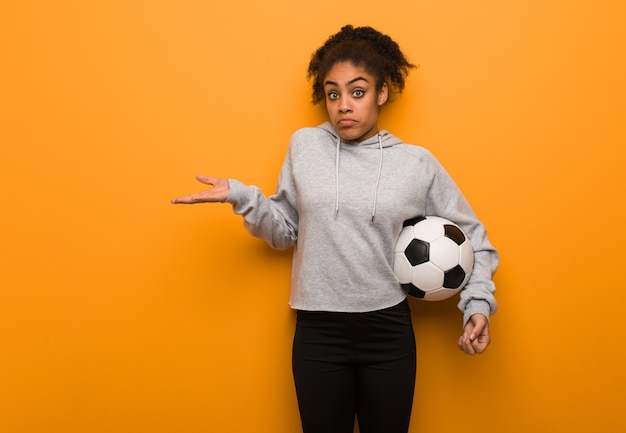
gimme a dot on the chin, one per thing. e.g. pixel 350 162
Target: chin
pixel 351 135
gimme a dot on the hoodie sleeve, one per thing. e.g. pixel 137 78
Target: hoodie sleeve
pixel 274 219
pixel 446 200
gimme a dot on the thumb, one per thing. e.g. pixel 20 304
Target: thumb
pixel 205 179
pixel 479 321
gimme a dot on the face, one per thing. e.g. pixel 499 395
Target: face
pixel 352 101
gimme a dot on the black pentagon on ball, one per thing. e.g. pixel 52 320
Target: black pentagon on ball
pixel 454 277
pixel 413 221
pixel 413 291
pixel 417 252
pixel 454 233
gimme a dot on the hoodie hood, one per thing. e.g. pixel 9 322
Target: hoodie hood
pixel 381 140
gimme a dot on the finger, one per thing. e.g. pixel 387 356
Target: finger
pixel 206 179
pixel 190 199
pixel 465 341
pixel 460 343
pixel 478 348
pixel 481 343
pixel 466 346
pixel 182 200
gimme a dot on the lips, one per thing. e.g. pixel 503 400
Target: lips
pixel 346 122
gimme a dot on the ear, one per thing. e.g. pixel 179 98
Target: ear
pixel 383 95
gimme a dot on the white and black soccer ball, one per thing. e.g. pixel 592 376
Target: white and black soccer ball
pixel 433 258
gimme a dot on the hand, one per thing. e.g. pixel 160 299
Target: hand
pixel 219 191
pixel 475 338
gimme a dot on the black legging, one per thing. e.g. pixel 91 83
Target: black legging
pixel 349 365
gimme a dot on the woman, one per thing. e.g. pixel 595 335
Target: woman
pixel 344 190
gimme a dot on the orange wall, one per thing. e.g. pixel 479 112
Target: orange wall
pixel 122 313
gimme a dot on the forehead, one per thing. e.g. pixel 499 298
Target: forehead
pixel 343 73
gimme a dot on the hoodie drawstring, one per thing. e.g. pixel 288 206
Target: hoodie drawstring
pixel 380 169
pixel 337 176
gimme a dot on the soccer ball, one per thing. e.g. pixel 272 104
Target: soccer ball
pixel 433 258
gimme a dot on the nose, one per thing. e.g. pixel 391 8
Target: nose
pixel 344 106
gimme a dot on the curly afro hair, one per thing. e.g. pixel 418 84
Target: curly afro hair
pixel 364 47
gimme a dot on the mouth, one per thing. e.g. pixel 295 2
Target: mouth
pixel 346 122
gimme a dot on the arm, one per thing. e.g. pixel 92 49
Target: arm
pixel 274 219
pixel 477 301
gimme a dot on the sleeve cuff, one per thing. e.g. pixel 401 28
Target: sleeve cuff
pixel 476 306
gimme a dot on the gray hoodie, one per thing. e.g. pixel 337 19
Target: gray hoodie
pixel 342 204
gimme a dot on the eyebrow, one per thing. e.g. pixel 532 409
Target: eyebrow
pixel 359 78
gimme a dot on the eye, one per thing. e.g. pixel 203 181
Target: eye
pixel 332 95
pixel 358 93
